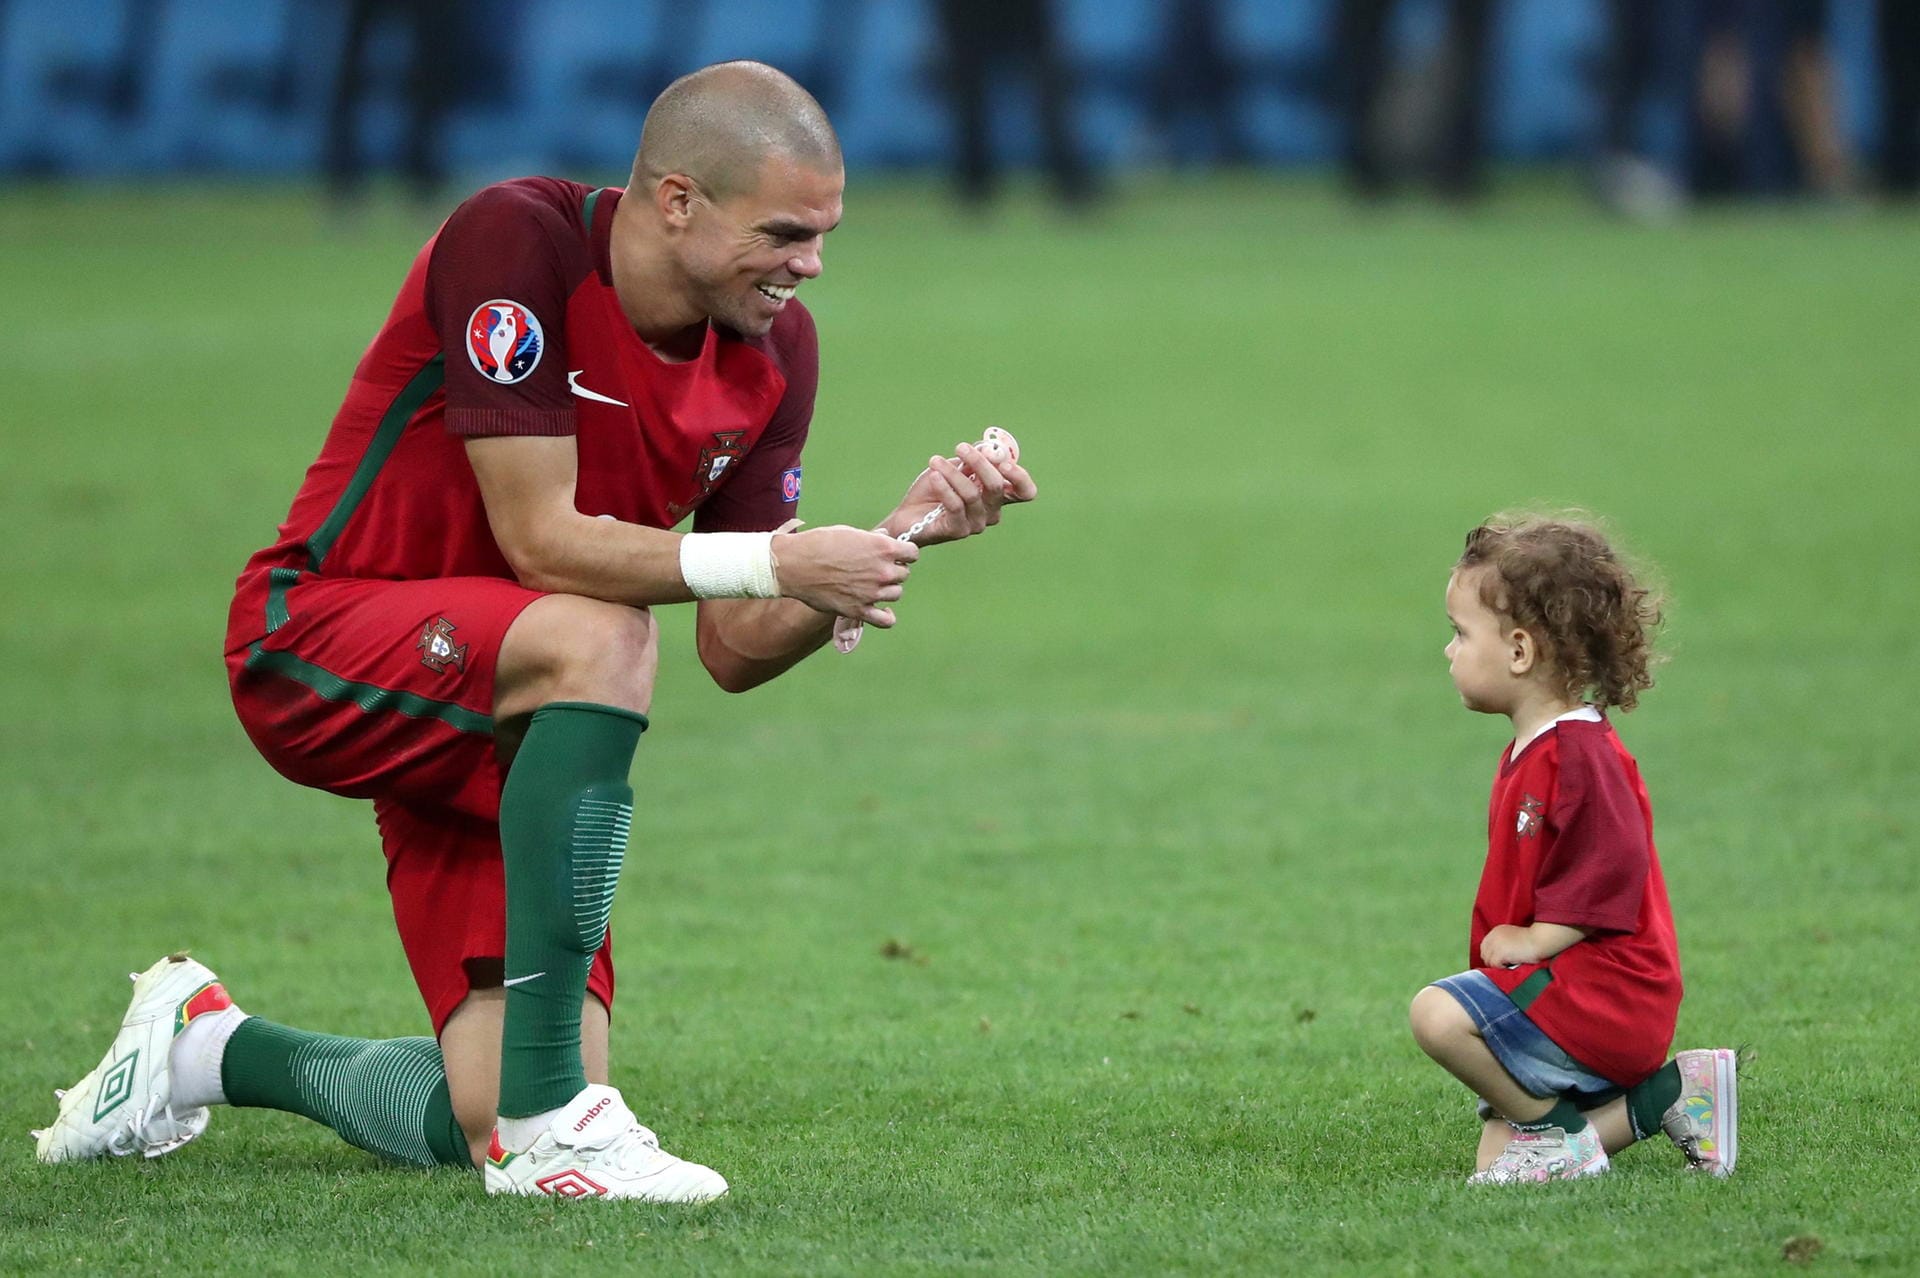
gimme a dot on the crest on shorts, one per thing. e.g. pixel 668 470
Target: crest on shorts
pixel 1527 823
pixel 438 650
pixel 504 341
pixel 725 450
pixel 790 485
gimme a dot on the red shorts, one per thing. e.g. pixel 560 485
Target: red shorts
pixel 383 690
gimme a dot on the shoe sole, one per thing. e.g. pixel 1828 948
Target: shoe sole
pixel 1598 1167
pixel 576 1185
pixel 1726 1109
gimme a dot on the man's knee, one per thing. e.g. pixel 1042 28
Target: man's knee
pixel 570 648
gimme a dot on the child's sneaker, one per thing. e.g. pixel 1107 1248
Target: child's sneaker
pixel 1704 1122
pixel 1550 1154
pixel 595 1148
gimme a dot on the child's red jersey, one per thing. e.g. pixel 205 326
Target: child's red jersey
pixel 1570 840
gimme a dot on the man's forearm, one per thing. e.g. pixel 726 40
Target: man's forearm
pixel 603 559
pixel 745 642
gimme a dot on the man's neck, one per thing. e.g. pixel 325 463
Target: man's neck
pixel 650 298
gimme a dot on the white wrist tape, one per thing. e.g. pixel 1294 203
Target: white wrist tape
pixel 729 565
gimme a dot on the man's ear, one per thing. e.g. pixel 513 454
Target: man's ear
pixel 1523 653
pixel 675 195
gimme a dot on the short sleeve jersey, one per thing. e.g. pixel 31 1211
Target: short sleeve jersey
pixel 508 324
pixel 1570 840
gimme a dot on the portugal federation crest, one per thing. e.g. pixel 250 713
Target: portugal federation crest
pixel 725 450
pixel 1526 823
pixel 438 650
pixel 504 341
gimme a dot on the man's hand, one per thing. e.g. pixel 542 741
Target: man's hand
pixel 844 571
pixel 969 491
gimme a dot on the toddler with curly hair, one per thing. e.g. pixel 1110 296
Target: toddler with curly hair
pixel 1562 1021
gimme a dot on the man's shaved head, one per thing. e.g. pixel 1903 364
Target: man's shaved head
pixel 721 124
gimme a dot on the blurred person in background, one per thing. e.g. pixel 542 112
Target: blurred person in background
pixel 1764 115
pixel 1626 178
pixel 1899 32
pixel 987 36
pixel 1198 81
pixel 1454 149
pixel 433 35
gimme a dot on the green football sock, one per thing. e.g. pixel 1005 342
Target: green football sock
pixel 1564 1115
pixel 1648 1102
pixel 389 1097
pixel 564 817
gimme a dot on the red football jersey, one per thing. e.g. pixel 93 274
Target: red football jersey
pixel 1570 840
pixel 507 324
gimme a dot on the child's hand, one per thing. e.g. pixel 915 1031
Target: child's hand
pixel 1509 946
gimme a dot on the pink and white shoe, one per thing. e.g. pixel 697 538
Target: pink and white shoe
pixel 1705 1122
pixel 1538 1157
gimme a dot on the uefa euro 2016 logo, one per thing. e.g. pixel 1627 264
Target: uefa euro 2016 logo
pixel 504 341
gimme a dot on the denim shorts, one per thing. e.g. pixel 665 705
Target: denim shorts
pixel 1536 1062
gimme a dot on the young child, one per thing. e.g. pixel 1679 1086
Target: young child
pixel 1562 1022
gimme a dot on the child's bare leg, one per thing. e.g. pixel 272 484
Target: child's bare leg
pixel 1610 1120
pixel 1493 1140
pixel 1447 1033
pixel 1554 1140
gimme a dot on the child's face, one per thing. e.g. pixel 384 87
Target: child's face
pixel 1486 656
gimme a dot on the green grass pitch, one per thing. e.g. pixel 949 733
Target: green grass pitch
pixel 1070 927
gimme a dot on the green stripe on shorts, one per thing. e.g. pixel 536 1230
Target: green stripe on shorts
pixel 371 698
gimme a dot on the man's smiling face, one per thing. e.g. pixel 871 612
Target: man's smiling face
pixel 746 254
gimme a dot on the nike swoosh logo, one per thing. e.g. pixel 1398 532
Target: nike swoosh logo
pixel 521 980
pixel 573 384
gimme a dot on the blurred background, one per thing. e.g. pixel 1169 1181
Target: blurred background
pixel 1658 101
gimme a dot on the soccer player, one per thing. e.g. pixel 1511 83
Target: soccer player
pixel 1562 1021
pixel 453 623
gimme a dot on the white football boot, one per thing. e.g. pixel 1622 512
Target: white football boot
pixel 595 1148
pixel 125 1105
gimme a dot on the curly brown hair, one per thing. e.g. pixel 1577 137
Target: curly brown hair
pixel 1559 578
